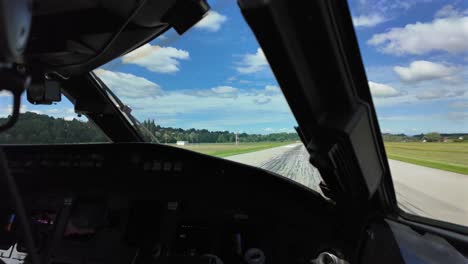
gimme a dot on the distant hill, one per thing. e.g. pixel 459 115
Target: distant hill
pixel 35 128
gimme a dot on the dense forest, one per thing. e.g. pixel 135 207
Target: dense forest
pixel 37 128
pixel 33 128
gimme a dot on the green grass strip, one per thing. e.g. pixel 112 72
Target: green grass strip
pixel 431 164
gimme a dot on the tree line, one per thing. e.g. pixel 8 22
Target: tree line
pixel 35 128
pixel 427 137
pixel 192 135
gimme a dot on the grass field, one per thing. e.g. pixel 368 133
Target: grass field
pixel 445 156
pixel 229 149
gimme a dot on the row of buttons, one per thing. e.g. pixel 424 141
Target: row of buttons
pixel 157 165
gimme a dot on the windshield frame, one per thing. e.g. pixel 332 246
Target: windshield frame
pixel 91 98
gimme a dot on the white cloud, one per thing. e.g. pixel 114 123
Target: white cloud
pixel 459 104
pixel 386 130
pixel 53 111
pixel 450 11
pixel 425 70
pixel 384 6
pixel 368 20
pixel 458 116
pixel 272 89
pixel 270 130
pixel 211 22
pixel 383 90
pixel 7 110
pixel 231 79
pixel 156 58
pixel 4 93
pixel 442 34
pixel 219 91
pixel 189 108
pixel 437 93
pixel 413 93
pixel 127 85
pixel 431 94
pixel 286 129
pixel 409 117
pixel 216 108
pixel 262 100
pixel 251 63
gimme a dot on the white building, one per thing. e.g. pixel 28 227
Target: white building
pixel 182 143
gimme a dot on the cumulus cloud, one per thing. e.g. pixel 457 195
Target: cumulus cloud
pixel 211 22
pixel 251 63
pixel 219 91
pixel 156 58
pixel 127 85
pixel 368 20
pixel 425 70
pixel 448 34
pixel 383 90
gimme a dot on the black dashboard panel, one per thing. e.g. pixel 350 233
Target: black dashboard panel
pixel 147 203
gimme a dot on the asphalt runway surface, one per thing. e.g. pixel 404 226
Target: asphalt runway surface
pixel 429 192
pixel 290 161
pixel 420 190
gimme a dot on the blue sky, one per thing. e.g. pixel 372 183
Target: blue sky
pixel 216 77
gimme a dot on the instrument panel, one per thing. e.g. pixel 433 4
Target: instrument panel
pixel 158 204
pixel 93 229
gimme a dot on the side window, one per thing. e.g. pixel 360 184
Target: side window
pixel 415 59
pixel 47 124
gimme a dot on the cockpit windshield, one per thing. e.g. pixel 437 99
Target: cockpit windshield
pixel 212 91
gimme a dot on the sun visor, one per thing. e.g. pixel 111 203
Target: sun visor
pixel 74 37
